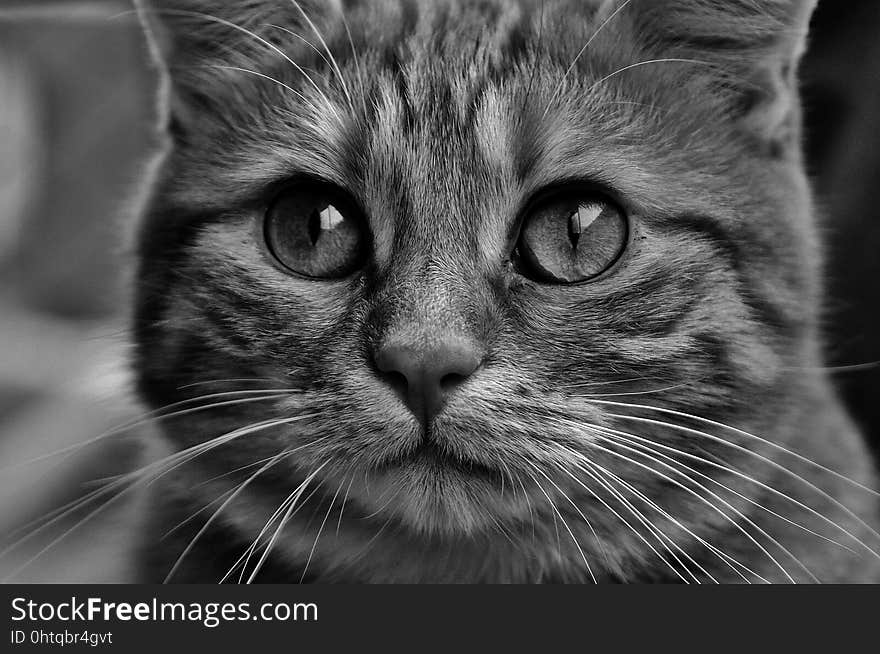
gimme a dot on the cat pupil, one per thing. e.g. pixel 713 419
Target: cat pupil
pixel 314 227
pixel 574 229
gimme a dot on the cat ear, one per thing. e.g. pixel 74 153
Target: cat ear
pixel 197 43
pixel 753 45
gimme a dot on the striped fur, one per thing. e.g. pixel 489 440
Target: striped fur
pixel 442 121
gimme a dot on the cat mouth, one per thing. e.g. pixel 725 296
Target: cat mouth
pixel 434 460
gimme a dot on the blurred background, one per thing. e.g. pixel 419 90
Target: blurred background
pixel 76 107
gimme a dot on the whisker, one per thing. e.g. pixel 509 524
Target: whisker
pixel 637 514
pixel 260 39
pixel 320 530
pixel 662 538
pixel 740 448
pixel 287 516
pixel 366 548
pixel 137 478
pixel 249 552
pixel 238 469
pixel 579 512
pixel 568 529
pixel 646 63
pixel 741 432
pixel 155 416
pixel 528 506
pixel 197 513
pixel 342 508
pixel 653 445
pixel 581 52
pixel 497 525
pixel 226 381
pixel 611 382
pixel 329 53
pixel 649 392
pixel 50 517
pixel 703 500
pixel 258 74
pixel 710 505
pixel 853 367
pixel 245 556
pixel 357 65
pixel 198 450
pixel 388 502
pixel 724 556
pixel 301 38
pixel 241 487
pixel 327 61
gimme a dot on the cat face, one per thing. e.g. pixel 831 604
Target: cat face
pixel 468 242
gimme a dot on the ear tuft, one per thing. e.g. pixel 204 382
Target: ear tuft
pixel 755 45
pixel 184 31
pixel 192 38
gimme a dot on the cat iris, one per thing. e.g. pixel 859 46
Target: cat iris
pixel 571 238
pixel 315 231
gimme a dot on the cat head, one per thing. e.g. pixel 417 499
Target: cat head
pixel 468 242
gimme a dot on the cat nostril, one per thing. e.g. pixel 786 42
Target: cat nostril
pixel 425 376
pixel 450 381
pixel 397 381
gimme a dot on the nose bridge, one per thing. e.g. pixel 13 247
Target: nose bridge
pixel 422 303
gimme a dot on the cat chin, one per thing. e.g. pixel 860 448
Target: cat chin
pixel 435 497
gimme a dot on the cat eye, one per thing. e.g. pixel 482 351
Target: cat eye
pixel 315 231
pixel 571 238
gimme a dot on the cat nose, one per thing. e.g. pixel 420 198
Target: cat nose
pixel 425 376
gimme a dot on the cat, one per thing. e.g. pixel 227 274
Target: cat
pixel 498 291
